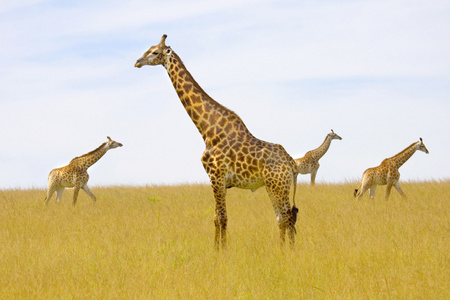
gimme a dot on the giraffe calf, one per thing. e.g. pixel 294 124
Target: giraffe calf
pixel 309 164
pixel 75 175
pixel 387 172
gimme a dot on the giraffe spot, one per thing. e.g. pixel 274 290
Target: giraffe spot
pixel 227 128
pixel 208 107
pixel 246 174
pixel 195 99
pixel 253 169
pixel 194 115
pixel 187 87
pixel 215 140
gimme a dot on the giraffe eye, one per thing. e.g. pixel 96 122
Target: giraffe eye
pixel 155 53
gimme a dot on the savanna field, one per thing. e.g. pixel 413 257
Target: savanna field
pixel 156 242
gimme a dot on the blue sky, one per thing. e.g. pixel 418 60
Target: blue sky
pixel 377 72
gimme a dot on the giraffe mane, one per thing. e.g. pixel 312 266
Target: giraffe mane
pixel 89 153
pixel 217 105
pixel 403 151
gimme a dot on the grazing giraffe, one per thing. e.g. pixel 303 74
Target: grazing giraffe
pixel 387 172
pixel 310 162
pixel 75 173
pixel 233 156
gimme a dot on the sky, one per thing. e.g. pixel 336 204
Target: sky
pixel 376 72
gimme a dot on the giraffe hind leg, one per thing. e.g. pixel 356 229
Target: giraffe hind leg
pixel 51 190
pixel 286 215
pixel 372 190
pixel 359 193
pixel 59 193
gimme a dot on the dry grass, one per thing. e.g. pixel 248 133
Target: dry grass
pixel 157 243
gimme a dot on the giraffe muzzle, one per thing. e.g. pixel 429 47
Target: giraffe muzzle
pixel 138 63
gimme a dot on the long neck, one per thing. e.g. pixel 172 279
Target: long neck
pixel 319 152
pixel 90 158
pixel 213 120
pixel 403 156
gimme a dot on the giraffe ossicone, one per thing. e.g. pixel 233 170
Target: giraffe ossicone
pixel 309 163
pixel 387 172
pixel 233 156
pixel 75 175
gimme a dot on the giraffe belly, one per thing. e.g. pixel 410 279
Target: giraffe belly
pixel 304 169
pixel 67 183
pixel 250 183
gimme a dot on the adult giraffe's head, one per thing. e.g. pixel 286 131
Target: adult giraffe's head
pixel 421 146
pixel 155 55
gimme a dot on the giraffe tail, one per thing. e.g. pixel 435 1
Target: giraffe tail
pixel 294 209
pixel 355 193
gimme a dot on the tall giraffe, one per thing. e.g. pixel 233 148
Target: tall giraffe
pixel 75 173
pixel 387 172
pixel 233 156
pixel 310 162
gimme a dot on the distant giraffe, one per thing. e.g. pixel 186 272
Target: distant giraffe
pixel 75 173
pixel 310 162
pixel 387 172
pixel 233 156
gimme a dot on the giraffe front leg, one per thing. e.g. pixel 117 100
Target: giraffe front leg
pixel 220 217
pixel 313 177
pixel 76 190
pixel 86 189
pixel 388 190
pixel 397 187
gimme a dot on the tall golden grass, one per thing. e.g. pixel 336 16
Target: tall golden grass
pixel 156 242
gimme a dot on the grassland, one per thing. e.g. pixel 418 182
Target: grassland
pixel 156 242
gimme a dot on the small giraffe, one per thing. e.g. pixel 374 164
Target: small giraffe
pixel 75 173
pixel 310 162
pixel 233 156
pixel 387 172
